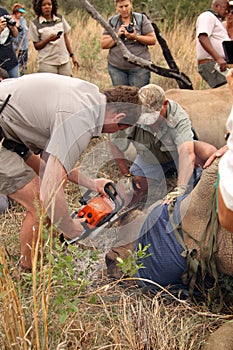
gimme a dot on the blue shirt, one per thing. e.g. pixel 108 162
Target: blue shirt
pixel 165 265
pixel 21 42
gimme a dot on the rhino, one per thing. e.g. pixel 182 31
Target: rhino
pixel 194 211
pixel 208 110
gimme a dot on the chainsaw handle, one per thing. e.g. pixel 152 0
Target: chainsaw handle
pixel 112 192
pixel 85 198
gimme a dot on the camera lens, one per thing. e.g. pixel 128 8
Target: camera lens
pixel 9 20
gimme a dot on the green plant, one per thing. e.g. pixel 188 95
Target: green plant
pixel 89 51
pixel 67 280
pixel 133 262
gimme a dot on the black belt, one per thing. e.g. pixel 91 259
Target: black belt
pixel 14 146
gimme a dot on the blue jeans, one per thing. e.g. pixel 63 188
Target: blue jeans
pixel 13 72
pixel 153 171
pixel 133 77
pixel 159 171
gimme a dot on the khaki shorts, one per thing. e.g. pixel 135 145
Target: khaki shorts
pixel 63 69
pixel 14 172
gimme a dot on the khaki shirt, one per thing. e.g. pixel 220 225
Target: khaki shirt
pixel 55 52
pixel 51 112
pixel 163 145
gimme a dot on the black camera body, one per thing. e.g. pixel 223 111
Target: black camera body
pixel 9 20
pixel 129 29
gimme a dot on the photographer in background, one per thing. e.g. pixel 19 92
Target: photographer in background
pixel 21 42
pixel 137 33
pixel 8 31
pixel 49 33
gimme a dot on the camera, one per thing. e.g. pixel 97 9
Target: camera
pixel 20 28
pixel 129 29
pixel 9 20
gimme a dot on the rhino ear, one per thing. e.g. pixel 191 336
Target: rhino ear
pixel 122 252
pixel 113 270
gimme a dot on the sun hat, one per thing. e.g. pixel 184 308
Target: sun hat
pixel 152 98
pixel 21 10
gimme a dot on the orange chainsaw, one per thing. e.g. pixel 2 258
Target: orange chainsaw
pixel 97 210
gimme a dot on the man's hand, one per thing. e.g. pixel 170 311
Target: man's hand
pixel 219 153
pixel 99 185
pixel 176 192
pixel 77 230
pixel 222 64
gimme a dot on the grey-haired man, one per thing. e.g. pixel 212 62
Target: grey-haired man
pixel 163 139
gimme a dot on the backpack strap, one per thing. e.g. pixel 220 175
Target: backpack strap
pixel 114 20
pixel 138 18
pixel 190 275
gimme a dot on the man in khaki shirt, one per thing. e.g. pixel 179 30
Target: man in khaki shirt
pixel 59 115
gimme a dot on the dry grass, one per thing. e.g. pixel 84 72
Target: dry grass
pixel 64 306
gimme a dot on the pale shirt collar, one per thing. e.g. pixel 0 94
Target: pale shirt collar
pixel 101 116
pixel 42 19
